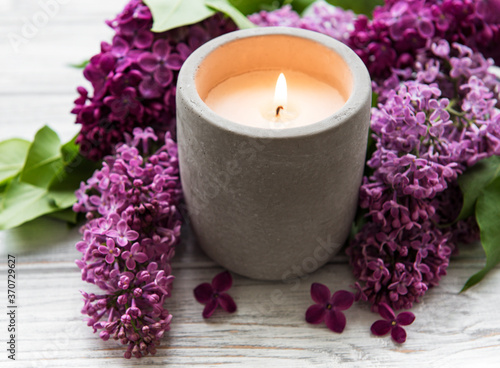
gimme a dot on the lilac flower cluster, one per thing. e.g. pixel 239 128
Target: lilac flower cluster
pixel 129 240
pixel 423 142
pixel 134 78
pixel 437 117
pixel 450 66
pixel 321 17
pixel 400 29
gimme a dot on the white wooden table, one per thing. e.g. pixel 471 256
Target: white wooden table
pixel 37 87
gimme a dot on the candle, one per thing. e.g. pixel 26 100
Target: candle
pixel 248 99
pixel 271 165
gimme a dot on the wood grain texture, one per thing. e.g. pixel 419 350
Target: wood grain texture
pixel 37 87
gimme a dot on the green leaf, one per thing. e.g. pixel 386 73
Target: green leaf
pixel 252 6
pixel 43 160
pixel 371 147
pixel 225 7
pixel 360 220
pixel 169 14
pixel 13 153
pixel 63 186
pixel 81 65
pixel 47 182
pixel 67 179
pixel 374 99
pixel 3 188
pixel 488 219
pixel 301 6
pixel 67 215
pixel 41 233
pixel 23 202
pixel 359 7
pixel 474 180
pixel 69 151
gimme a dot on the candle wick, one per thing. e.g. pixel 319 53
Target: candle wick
pixel 278 110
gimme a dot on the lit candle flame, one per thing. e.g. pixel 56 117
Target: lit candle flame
pixel 280 94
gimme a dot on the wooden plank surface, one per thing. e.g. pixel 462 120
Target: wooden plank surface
pixel 37 87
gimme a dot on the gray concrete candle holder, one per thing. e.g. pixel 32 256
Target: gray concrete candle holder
pixel 272 203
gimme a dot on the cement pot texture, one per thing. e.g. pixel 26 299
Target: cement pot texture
pixel 272 203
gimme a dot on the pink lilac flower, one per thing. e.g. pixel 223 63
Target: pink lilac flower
pixel 110 251
pixel 133 256
pixel 125 247
pixel 321 17
pixel 333 21
pixel 214 294
pixel 123 234
pixel 329 308
pixel 392 323
pixel 284 16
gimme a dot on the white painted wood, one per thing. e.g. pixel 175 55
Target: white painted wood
pixel 451 329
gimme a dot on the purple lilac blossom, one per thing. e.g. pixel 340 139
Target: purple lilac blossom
pixel 421 148
pixel 424 141
pixel 134 78
pixel 448 65
pixel 437 116
pixel 401 29
pixel 321 17
pixel 129 241
pixel 392 323
pixel 328 308
pixel 214 294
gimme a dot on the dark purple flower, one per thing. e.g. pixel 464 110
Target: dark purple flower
pixel 397 266
pixel 120 50
pixel 214 294
pixel 98 72
pixel 160 62
pixel 407 28
pixel 149 88
pixel 489 10
pixel 80 101
pixel 121 81
pixel 392 323
pixel 329 308
pixel 134 78
pixel 125 103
